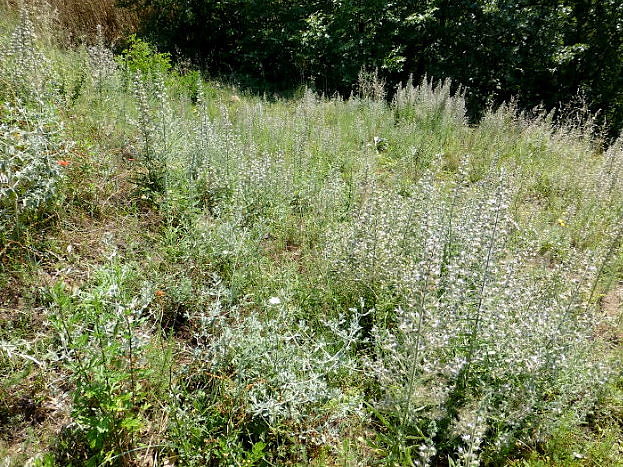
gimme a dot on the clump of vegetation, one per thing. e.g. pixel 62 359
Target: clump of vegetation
pixel 34 147
pixel 31 172
pixel 239 281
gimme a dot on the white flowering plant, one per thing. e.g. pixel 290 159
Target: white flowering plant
pixel 478 332
pixel 35 155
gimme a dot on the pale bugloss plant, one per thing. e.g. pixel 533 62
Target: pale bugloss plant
pixel 215 149
pixel 24 68
pixel 35 154
pixel 371 86
pixel 480 334
pixel 203 143
pixel 159 133
pixel 375 249
pixel 611 174
pixel 102 62
pixel 429 103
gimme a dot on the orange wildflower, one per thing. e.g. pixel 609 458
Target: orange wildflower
pixel 159 293
pixel 63 163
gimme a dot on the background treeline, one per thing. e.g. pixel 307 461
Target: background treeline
pixel 541 52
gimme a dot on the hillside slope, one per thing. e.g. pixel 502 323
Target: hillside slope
pixel 193 277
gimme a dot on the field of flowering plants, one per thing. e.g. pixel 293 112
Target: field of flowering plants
pixel 190 275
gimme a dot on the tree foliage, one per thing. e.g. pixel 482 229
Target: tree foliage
pixel 541 52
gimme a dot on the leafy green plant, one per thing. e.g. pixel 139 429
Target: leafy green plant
pixel 140 57
pixel 101 346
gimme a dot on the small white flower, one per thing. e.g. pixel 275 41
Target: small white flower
pixel 274 300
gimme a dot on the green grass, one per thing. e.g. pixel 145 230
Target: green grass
pixel 220 278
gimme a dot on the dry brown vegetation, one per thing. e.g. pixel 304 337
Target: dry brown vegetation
pixel 78 19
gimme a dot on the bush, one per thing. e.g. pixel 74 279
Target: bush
pixel 140 57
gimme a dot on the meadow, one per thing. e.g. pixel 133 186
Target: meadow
pixel 194 275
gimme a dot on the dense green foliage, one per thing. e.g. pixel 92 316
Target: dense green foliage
pixel 540 52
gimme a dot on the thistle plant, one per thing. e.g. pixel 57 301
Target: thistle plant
pixel 22 63
pixel 35 154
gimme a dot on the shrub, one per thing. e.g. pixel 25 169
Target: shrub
pixel 140 57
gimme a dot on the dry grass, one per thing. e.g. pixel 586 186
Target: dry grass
pixel 78 19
